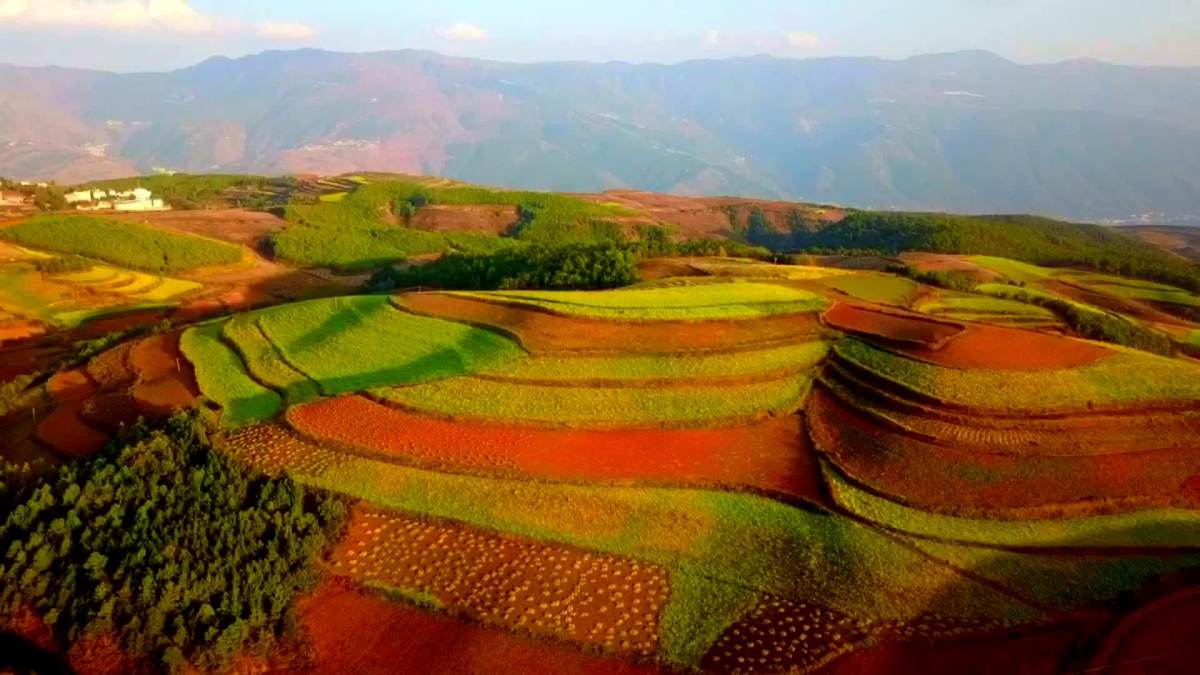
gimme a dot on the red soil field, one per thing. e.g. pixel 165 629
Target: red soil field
pixel 544 333
pixel 963 481
pixel 1035 651
pixel 1161 637
pixel 771 455
pixel 64 430
pixel 19 330
pixel 98 328
pixel 998 348
pixel 233 225
pixel 544 589
pixel 166 380
pixel 30 357
pixel 942 262
pixel 465 218
pixel 891 326
pixel 352 631
pixel 708 217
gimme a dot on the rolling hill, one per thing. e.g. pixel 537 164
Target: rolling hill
pixel 966 132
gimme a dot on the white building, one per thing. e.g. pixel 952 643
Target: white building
pixel 137 199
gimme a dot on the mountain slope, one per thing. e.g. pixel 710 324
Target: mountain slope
pixel 966 131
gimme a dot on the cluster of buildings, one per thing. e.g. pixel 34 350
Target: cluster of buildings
pixel 137 199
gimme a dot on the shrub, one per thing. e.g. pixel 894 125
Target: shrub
pixel 573 266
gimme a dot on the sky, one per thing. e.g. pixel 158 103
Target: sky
pixel 154 35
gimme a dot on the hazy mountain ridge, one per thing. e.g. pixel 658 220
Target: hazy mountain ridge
pixel 967 131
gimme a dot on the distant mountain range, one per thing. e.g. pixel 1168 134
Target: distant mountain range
pixel 967 131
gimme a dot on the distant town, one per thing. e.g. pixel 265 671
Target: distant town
pixel 17 197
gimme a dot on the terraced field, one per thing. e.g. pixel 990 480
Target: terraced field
pixel 835 472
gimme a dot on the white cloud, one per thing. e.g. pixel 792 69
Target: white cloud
pixel 175 16
pixel 284 30
pixel 802 40
pixel 712 37
pixel 464 32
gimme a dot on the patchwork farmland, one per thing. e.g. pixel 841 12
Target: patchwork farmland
pixel 735 466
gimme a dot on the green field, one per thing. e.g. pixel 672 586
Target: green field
pixel 264 362
pixel 1128 377
pixel 951 305
pixel 353 343
pixel 367 228
pixel 886 289
pixel 735 300
pixel 124 244
pixel 678 367
pixel 602 407
pixel 223 378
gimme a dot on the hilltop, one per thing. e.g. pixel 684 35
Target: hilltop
pixel 964 132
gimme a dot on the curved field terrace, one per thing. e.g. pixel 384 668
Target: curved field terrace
pixel 756 469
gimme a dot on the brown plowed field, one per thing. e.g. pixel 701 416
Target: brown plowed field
pixel 352 631
pixel 165 379
pixel 547 333
pixel 943 262
pixel 997 348
pixel 274 449
pixel 548 590
pixel 979 483
pixel 111 369
pixel 771 456
pixel 1162 637
pixel 64 430
pixel 234 225
pixel 892 326
pixel 485 219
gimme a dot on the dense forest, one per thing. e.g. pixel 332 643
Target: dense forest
pixel 159 541
pixel 571 266
pixel 1042 241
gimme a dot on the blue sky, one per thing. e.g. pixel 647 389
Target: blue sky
pixel 164 34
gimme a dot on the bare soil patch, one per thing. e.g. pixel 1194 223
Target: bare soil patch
pixel 484 219
pixel 892 326
pixel 353 631
pixel 547 333
pixel 234 225
pixel 165 379
pixel 772 455
pixel 1161 637
pixel 999 348
pixel 64 430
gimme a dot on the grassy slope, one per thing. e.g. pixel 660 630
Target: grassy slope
pixel 1128 377
pixel 885 289
pixel 223 378
pixel 738 300
pixel 568 368
pixel 353 343
pixel 120 243
pixel 602 407
pixel 264 362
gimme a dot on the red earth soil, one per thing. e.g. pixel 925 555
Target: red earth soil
pixel 465 218
pixel 772 455
pixel 891 326
pixel 64 430
pixel 709 216
pixel 549 590
pixel 30 358
pixel 1038 651
pixel 998 348
pixel 352 631
pixel 166 380
pixel 950 478
pixel 234 225
pixel 1161 637
pixel 98 328
pixel 542 332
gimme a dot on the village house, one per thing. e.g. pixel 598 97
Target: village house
pixel 137 199
pixel 12 198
